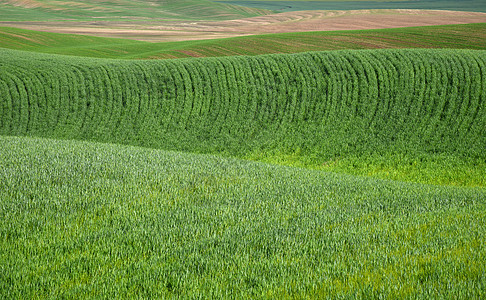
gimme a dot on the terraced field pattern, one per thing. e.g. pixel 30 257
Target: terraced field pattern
pixel 264 168
pixel 189 20
pixel 461 36
pixel 49 10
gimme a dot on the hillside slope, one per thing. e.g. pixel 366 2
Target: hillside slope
pixel 88 220
pixel 462 36
pixel 76 10
pixel 194 22
pixel 383 113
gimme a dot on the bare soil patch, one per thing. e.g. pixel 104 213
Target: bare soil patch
pixel 161 30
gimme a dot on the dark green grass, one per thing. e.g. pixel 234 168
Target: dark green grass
pixel 465 36
pixel 76 10
pixel 416 115
pixel 87 220
pixel 282 6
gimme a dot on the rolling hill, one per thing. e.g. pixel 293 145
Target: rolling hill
pixel 405 114
pixel 348 174
pixel 462 36
pixel 57 10
pixel 170 21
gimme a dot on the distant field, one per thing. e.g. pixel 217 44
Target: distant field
pixel 76 10
pixel 179 28
pixel 282 6
pixel 414 115
pixel 466 36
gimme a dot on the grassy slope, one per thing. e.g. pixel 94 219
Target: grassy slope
pixel 466 36
pixel 415 115
pixel 52 10
pixel 88 220
pixel 69 44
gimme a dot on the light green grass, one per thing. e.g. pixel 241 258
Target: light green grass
pixel 416 114
pixel 442 169
pixel 465 36
pixel 88 220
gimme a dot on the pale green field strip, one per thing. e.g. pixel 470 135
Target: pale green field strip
pixel 88 220
pixel 466 36
pixel 112 10
pixel 299 5
pixel 415 114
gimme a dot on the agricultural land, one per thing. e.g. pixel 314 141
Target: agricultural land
pixel 461 36
pixel 235 150
pixel 183 20
pixel 300 5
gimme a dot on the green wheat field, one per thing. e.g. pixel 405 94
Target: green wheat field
pixel 308 174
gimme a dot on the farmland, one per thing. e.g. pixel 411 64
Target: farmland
pixel 197 149
pixel 166 29
pixel 90 220
pixel 355 111
pixel 20 10
pixel 462 36
pixel 284 6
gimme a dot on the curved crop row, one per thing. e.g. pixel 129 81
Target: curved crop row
pixel 322 105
